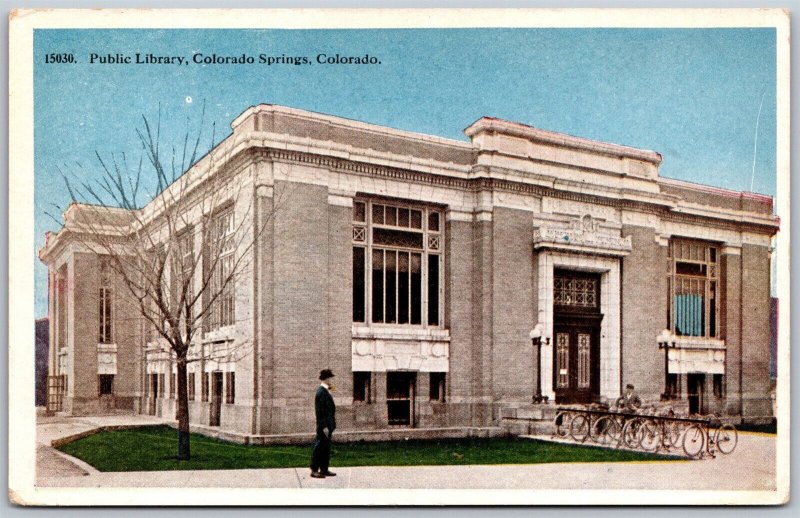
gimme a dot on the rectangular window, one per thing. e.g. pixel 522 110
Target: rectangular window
pixel 61 306
pixel 105 384
pixel 184 277
pixel 693 288
pixel 221 258
pixel 161 384
pixel 173 385
pixel 204 386
pixel 437 389
pixel 362 382
pixel 153 386
pixel 359 285
pixel 392 243
pixel 190 385
pixel 719 385
pixel 230 387
pixel 673 386
pixel 106 304
pixel 359 211
pixel 377 286
pixel 433 290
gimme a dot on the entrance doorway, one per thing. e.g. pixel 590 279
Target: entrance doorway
pixel 216 398
pixel 695 388
pixel 400 392
pixel 576 336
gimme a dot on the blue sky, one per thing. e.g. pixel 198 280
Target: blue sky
pixel 691 94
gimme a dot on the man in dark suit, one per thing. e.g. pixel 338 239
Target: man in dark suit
pixel 325 410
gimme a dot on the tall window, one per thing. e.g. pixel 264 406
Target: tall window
pixel 230 388
pixel 204 386
pixel 61 306
pixel 190 376
pixel 397 265
pixel 694 288
pixel 222 311
pixel 106 304
pixel 183 272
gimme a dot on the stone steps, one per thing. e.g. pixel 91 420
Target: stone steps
pixel 528 419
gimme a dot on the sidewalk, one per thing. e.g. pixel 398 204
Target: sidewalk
pixel 750 467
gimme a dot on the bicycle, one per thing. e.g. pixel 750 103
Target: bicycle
pixel 725 436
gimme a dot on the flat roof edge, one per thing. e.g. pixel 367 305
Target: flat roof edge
pixel 553 137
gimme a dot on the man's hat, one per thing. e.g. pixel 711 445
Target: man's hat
pixel 630 386
pixel 325 374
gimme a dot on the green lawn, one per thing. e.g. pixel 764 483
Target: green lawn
pixel 154 448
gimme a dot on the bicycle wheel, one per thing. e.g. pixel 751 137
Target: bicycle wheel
pixel 674 431
pixel 596 429
pixel 649 435
pixel 726 438
pixel 694 441
pixel 630 433
pixel 562 422
pixel 606 431
pixel 579 428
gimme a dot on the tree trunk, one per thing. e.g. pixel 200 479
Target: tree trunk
pixel 183 410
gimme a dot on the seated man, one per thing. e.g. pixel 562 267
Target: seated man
pixel 630 400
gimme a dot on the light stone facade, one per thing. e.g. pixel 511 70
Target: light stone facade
pixel 520 208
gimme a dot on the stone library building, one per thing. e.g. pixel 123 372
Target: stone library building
pixel 446 283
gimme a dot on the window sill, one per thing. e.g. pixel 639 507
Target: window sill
pixel 106 348
pixel 388 332
pixel 697 342
pixel 221 334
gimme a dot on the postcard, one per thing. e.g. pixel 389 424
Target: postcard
pixel 399 257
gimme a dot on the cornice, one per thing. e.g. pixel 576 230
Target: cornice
pixel 661 205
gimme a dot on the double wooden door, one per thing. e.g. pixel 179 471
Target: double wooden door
pixel 576 358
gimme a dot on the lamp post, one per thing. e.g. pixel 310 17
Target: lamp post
pixel 536 341
pixel 666 341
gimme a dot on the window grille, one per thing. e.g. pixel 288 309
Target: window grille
pixel 575 291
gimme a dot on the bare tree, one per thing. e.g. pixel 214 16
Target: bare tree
pixel 177 246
